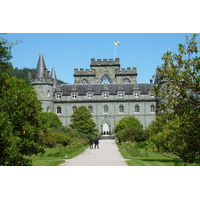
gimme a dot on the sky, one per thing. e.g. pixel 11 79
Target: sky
pixel 66 51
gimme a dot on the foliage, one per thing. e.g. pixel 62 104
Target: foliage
pixel 20 120
pixel 51 120
pixel 129 129
pixel 177 128
pixel 128 122
pixel 82 121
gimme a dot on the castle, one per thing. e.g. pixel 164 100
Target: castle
pixel 108 91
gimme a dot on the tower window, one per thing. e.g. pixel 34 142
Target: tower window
pixel 126 80
pixel 48 93
pixel 84 81
pixel 105 79
pixel 58 110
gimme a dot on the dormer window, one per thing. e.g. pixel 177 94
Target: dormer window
pixel 121 94
pixel 58 95
pixel 136 94
pixel 89 95
pixel 105 94
pixel 74 95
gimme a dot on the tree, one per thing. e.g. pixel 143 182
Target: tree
pixel 20 119
pixel 129 129
pixel 82 121
pixel 51 120
pixel 178 95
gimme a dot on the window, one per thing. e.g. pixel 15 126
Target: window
pixel 58 95
pixel 105 94
pixel 121 94
pixel 137 109
pixel 84 81
pixel 74 95
pixel 48 93
pixel 151 95
pixel 136 94
pixel 105 109
pixel 48 109
pixel 105 79
pixel 90 109
pixel 89 95
pixel 126 80
pixel 152 108
pixel 74 108
pixel 58 110
pixel 121 109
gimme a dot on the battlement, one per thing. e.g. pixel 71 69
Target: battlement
pixel 129 70
pixel 105 62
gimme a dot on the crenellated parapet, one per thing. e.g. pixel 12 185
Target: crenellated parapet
pixel 104 62
pixel 83 72
pixel 126 72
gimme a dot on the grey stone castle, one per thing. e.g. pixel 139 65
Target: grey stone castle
pixel 108 91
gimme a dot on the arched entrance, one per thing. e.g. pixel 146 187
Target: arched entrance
pixel 105 127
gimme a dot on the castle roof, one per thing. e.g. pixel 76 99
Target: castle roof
pixel 98 88
pixel 41 67
pixel 53 76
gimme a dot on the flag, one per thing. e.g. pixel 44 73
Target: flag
pixel 117 43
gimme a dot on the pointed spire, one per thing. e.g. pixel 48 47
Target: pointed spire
pixel 53 76
pixel 41 67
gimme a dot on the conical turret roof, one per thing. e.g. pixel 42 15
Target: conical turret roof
pixel 53 76
pixel 41 67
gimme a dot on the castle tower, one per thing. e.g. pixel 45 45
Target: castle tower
pixel 43 84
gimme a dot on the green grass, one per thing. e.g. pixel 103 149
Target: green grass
pixel 56 155
pixel 141 157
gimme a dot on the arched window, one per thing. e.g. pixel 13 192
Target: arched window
pixel 84 81
pixel 48 93
pixel 126 80
pixel 105 109
pixel 152 108
pixel 137 108
pixel 48 109
pixel 121 109
pixel 90 109
pixel 58 110
pixel 74 108
pixel 105 79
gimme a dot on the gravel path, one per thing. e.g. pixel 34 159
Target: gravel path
pixel 107 155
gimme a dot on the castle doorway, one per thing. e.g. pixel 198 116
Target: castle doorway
pixel 105 129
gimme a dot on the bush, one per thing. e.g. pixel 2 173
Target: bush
pixel 61 138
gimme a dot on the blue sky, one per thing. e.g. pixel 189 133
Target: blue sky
pixel 66 51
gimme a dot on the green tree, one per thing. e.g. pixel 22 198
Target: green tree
pixel 20 119
pixel 178 95
pixel 82 121
pixel 51 120
pixel 129 129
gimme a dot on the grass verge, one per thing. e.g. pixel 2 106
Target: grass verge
pixel 56 155
pixel 140 157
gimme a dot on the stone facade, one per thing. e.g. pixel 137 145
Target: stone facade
pixel 109 92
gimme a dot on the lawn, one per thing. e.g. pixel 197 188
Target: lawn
pixel 140 157
pixel 56 155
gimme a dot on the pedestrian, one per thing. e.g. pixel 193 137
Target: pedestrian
pixel 96 143
pixel 91 143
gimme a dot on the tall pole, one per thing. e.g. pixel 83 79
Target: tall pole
pixel 114 50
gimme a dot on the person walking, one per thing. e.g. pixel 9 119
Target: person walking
pixel 96 143
pixel 91 143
